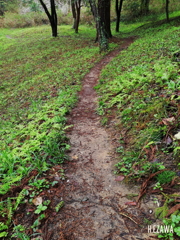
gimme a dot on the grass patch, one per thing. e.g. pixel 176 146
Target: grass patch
pixel 141 86
pixel 140 91
pixel 40 78
pixel 138 26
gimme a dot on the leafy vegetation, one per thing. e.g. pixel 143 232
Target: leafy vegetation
pixel 141 86
pixel 30 196
pixel 139 90
pixel 174 222
pixel 40 79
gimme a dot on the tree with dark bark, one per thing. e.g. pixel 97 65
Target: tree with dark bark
pixel 2 7
pixel 52 16
pixel 167 10
pixel 119 4
pixel 144 7
pixel 104 15
pixel 76 11
pixel 73 10
pixel 6 5
pixel 101 13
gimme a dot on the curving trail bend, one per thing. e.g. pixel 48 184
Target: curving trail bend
pixel 94 202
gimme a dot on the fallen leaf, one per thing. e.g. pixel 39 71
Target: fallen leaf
pixel 168 140
pixel 150 152
pixel 75 157
pixel 167 121
pixel 37 201
pixel 177 136
pixel 30 210
pixel 131 203
pixel 119 178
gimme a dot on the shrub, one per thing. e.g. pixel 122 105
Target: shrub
pixel 15 20
pixel 131 9
pixel 30 19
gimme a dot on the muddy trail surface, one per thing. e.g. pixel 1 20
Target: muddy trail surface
pixel 94 202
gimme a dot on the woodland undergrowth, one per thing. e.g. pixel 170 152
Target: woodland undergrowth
pixel 40 79
pixel 140 94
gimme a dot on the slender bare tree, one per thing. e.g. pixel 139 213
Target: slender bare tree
pixel 119 4
pixel 52 15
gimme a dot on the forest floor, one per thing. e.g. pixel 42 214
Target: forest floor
pixel 106 168
pixel 96 204
pixel 87 200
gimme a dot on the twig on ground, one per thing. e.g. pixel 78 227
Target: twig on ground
pixel 125 215
pixel 145 184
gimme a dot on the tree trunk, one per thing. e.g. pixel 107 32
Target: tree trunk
pixel 78 11
pixel 52 17
pixel 118 14
pixel 100 27
pixel 73 13
pixel 1 12
pixel 167 10
pixel 104 15
pixel 144 8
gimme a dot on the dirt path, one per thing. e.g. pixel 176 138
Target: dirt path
pixel 93 199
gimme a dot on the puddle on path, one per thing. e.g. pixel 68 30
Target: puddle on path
pixel 94 200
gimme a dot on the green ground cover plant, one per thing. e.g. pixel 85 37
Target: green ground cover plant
pixel 138 25
pixel 140 91
pixel 142 86
pixel 40 77
pixel 172 222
